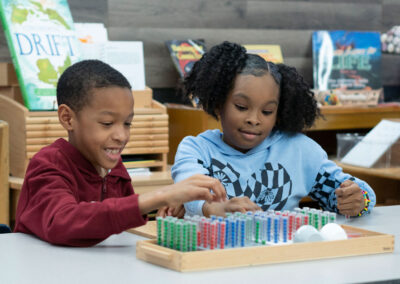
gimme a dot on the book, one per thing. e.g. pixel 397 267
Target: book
pixel 347 60
pixel 375 145
pixel 184 53
pixel 270 52
pixel 127 57
pixel 42 43
pixel 92 37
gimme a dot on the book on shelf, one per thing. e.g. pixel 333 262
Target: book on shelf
pixel 139 172
pixel 92 37
pixel 270 52
pixel 125 56
pixel 42 42
pixel 349 60
pixel 347 67
pixel 184 53
pixel 380 147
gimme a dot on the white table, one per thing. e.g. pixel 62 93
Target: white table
pixel 26 259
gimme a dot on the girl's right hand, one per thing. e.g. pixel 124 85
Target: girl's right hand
pixel 236 204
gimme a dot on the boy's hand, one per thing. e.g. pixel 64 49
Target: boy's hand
pixel 197 187
pixel 350 200
pixel 178 212
pixel 241 204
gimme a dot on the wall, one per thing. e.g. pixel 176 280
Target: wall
pixel 288 23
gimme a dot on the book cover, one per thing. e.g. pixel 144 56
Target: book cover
pixel 42 43
pixel 270 52
pixel 128 58
pixel 185 53
pixel 348 60
pixel 92 37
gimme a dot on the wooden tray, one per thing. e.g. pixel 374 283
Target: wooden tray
pixel 364 242
pixel 148 231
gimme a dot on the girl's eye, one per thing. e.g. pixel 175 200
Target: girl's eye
pixel 128 124
pixel 266 112
pixel 240 107
pixel 106 123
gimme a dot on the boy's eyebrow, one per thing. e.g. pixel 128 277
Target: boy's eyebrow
pixel 107 112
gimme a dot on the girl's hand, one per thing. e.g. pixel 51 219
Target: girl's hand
pixel 236 204
pixel 350 200
pixel 178 212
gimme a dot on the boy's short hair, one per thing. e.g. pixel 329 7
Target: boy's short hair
pixel 75 84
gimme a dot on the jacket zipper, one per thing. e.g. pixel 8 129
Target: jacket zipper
pixel 103 188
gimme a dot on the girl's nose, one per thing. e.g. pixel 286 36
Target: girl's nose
pixel 253 119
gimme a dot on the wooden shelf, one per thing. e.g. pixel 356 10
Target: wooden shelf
pixel 4 170
pixel 30 131
pixel 184 121
pixel 388 173
pixel 347 117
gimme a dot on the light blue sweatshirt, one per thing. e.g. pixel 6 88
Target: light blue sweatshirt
pixel 275 174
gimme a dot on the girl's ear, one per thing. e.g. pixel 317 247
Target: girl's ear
pixel 218 113
pixel 66 116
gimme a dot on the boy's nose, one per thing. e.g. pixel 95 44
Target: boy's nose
pixel 121 134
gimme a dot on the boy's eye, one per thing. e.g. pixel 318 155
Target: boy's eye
pixel 240 107
pixel 128 124
pixel 106 123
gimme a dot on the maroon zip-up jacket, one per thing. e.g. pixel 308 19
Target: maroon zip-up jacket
pixel 65 201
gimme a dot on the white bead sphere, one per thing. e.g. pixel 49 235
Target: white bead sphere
pixel 333 232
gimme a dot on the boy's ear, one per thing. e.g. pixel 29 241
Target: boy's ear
pixel 66 116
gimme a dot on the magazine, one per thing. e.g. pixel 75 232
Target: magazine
pixel 346 60
pixel 185 53
pixel 42 43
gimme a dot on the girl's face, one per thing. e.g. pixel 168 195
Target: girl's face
pixel 249 113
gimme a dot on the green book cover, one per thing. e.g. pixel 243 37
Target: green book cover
pixel 42 43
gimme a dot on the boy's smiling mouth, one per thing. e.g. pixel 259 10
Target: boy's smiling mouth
pixel 113 153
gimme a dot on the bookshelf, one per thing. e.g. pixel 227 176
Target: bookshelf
pixel 32 130
pixel 184 121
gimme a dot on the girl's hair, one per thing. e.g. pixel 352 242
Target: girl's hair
pixel 213 77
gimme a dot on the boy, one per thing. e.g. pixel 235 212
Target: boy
pixel 78 193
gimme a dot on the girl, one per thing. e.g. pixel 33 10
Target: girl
pixel 261 157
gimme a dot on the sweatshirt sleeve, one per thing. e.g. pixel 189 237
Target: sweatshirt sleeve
pixel 49 209
pixel 328 179
pixel 190 159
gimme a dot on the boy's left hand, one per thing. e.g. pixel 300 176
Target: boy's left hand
pixel 350 200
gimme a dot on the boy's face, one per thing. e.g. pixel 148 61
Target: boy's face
pixel 250 111
pixel 101 129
